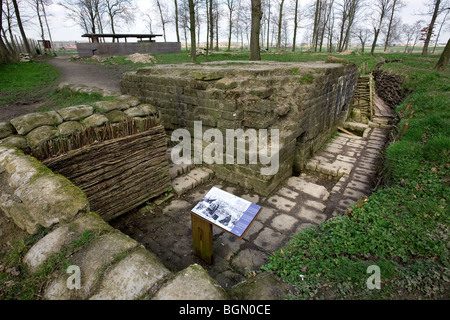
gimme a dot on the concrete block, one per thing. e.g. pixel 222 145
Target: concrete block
pixel 281 203
pixel 131 277
pixel 192 283
pixel 183 184
pixel 283 223
pixel 311 189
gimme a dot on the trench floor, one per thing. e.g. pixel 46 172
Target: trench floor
pixel 342 173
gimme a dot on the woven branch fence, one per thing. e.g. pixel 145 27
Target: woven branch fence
pixel 118 166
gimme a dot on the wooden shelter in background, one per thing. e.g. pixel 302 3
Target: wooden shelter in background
pixel 145 44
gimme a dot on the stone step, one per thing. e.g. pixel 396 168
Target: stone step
pixel 176 170
pixel 190 180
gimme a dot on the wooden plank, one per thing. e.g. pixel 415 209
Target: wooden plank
pixel 202 238
pixel 346 131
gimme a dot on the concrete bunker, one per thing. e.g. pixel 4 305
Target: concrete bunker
pixel 305 102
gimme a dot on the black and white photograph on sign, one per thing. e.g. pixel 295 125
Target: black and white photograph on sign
pixel 221 208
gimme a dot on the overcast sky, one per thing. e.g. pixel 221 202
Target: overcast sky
pixel 66 30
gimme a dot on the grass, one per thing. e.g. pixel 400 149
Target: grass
pixel 403 227
pixel 26 81
pixel 65 98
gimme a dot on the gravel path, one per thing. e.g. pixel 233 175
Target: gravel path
pixel 90 74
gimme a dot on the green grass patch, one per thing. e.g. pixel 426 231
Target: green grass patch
pixel 65 98
pixel 26 81
pixel 403 227
pixel 306 79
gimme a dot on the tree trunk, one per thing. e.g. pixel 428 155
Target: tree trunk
pixel 5 55
pixel 163 22
pixel 386 42
pixel 268 28
pixel 374 43
pixel 230 29
pixel 443 60
pixel 211 25
pixel 176 21
pixel 316 25
pixel 48 27
pixel 255 51
pixel 440 29
pixel 19 23
pixel 295 26
pixel 41 26
pixel 430 28
pixel 192 29
pixel 280 19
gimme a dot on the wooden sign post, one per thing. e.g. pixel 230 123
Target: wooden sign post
pixel 202 237
pixel 225 210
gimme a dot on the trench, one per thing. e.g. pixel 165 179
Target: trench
pixel 330 177
pixel 339 174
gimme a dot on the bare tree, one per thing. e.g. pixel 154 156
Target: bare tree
pixel 255 51
pixel 183 16
pixel 396 5
pixel 280 19
pixel 348 11
pixel 163 16
pixel 417 27
pixel 119 10
pixel 363 35
pixel 431 27
pixel 382 7
pixel 20 25
pixel 295 26
pixel 192 29
pixel 444 20
pixel 176 20
pixel 231 6
pixel 317 14
pixel 5 54
pixel 324 25
pixel 83 12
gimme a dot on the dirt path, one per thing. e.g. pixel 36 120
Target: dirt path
pixel 90 74
pixel 74 72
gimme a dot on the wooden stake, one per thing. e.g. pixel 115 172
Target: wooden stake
pixel 202 238
pixel 346 131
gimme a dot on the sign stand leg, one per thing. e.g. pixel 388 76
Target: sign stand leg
pixel 202 238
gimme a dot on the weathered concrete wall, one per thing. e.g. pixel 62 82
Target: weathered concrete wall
pixel 33 196
pixel 305 101
pixel 87 49
pixel 111 264
pixel 30 131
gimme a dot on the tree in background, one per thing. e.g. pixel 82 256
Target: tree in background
pixel 363 36
pixel 192 29
pixel 443 60
pixel 20 25
pixel 396 5
pixel 255 51
pixel 430 28
pixel 295 26
pixel 280 19
pixel 382 7
pixel 119 10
